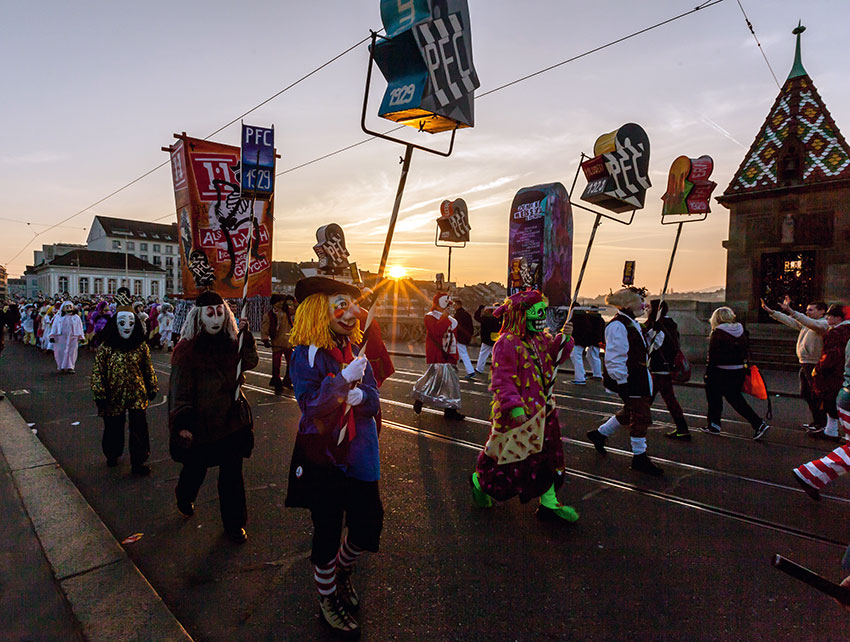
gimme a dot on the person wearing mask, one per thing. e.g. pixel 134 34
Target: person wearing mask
pixel 204 416
pixel 728 346
pixel 812 327
pixel 490 327
pixel 275 329
pixel 439 387
pixel 66 332
pixel 661 364
pixel 464 332
pixel 335 468
pixel 626 373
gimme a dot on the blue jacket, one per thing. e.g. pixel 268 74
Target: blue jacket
pixel 321 393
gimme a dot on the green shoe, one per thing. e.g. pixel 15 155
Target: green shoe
pixel 481 499
pixel 546 514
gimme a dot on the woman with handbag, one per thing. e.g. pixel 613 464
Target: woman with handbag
pixel 725 371
pixel 662 365
pixel 209 426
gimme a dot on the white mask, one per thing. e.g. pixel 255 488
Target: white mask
pixel 212 316
pixel 444 301
pixel 126 322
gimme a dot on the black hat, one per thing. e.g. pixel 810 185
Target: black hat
pixel 835 310
pixel 323 285
pixel 208 298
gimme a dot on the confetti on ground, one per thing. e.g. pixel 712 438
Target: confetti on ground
pixel 34 431
pixel 30 425
pixel 135 537
pixel 75 423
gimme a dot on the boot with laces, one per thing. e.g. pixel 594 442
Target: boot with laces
pixel 335 615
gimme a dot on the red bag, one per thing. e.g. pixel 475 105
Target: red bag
pixel 681 369
pixel 754 384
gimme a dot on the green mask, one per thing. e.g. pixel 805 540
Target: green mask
pixel 535 317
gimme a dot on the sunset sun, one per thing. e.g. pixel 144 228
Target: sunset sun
pixel 397 272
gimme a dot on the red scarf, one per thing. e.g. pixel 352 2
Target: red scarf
pixel 343 357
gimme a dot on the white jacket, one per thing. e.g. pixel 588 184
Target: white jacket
pixel 810 339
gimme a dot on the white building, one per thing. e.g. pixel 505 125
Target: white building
pixel 152 243
pixel 89 272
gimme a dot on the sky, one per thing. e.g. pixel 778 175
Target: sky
pixel 95 89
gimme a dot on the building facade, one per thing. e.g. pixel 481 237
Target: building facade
pixel 93 273
pixel 789 206
pixel 151 243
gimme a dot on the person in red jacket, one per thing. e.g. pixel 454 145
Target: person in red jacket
pixel 439 387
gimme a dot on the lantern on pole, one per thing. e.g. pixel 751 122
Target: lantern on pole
pixel 452 228
pixel 426 58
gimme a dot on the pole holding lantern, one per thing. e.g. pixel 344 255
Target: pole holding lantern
pixel 688 193
pixel 426 58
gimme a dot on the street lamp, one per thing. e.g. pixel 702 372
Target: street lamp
pixel 126 272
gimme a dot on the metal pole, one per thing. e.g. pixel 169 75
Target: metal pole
pixel 596 224
pixel 405 167
pixel 672 256
pixel 449 274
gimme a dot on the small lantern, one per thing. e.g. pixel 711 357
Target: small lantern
pixel 618 174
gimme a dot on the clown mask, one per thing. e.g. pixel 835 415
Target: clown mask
pixel 126 322
pixel 535 317
pixel 444 301
pixel 342 311
pixel 212 318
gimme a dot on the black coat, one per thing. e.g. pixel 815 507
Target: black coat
pixel 588 329
pixel 465 329
pixel 727 350
pixel 663 359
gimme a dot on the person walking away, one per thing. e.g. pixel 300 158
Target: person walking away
pixel 335 468
pixel 464 332
pixel 123 383
pixel 587 335
pixel 827 373
pixel 728 346
pixel 66 332
pixel 816 474
pixel 439 387
pixel 490 326
pixel 275 329
pixel 207 429
pixel 626 373
pixel 812 327
pixel 661 364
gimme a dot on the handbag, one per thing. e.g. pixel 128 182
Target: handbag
pixel 755 386
pixel 245 419
pixel 681 371
pixel 517 444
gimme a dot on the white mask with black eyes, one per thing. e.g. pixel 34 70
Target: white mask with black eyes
pixel 126 322
pixel 212 318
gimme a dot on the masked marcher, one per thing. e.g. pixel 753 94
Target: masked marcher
pixel 45 326
pixel 28 324
pixel 335 465
pixel 166 323
pixel 206 422
pixel 66 332
pixel 123 382
pixel 439 387
pixel 275 329
pixel 524 455
pixel 662 364
pixel 626 372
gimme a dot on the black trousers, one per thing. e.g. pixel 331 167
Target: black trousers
pixel 359 504
pixel 720 384
pixel 226 454
pixel 816 406
pixel 113 437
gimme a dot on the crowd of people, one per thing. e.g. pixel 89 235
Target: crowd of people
pixel 336 362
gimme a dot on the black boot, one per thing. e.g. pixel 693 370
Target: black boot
pixel 336 616
pixel 598 440
pixel 453 415
pixel 643 464
pixel 417 406
pixel 347 595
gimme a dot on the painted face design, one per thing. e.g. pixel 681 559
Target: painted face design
pixel 126 322
pixel 212 318
pixel 535 317
pixel 342 311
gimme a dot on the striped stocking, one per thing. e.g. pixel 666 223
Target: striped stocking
pixel 325 578
pixel 348 554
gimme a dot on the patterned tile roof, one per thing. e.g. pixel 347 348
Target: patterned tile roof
pixel 798 113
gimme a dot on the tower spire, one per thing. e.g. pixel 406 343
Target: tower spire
pixel 797 69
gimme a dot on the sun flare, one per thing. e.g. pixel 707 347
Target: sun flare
pixel 397 272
